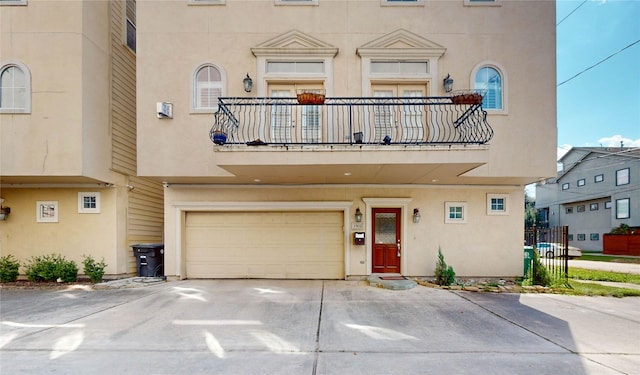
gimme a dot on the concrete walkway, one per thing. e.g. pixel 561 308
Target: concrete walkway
pixel 313 327
pixel 633 268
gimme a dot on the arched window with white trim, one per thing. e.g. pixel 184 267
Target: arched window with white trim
pixel 15 88
pixel 207 88
pixel 491 80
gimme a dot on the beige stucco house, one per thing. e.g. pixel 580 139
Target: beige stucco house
pixel 68 134
pixel 379 176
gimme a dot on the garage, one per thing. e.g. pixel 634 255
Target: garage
pixel 282 245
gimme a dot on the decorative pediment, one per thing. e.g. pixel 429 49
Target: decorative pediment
pixel 401 43
pixel 294 42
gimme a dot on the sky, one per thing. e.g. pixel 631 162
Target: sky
pixel 598 73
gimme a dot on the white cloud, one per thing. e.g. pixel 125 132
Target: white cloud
pixel 563 149
pixel 614 141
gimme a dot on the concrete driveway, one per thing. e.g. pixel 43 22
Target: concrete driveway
pixel 313 327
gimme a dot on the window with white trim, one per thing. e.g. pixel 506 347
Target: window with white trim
pixel 482 2
pixel 455 212
pixel 623 208
pixel 88 203
pixel 15 88
pixel 131 24
pixel 622 177
pixel 206 2
pixel 402 2
pixel 296 2
pixel 47 211
pixel 497 204
pixel 13 2
pixel 489 80
pixel 207 88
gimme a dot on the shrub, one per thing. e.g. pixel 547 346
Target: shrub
pixel 93 269
pixel 51 268
pixel 538 273
pixel 444 273
pixel 9 267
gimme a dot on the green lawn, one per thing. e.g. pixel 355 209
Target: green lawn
pixel 608 258
pixel 589 289
pixel 596 275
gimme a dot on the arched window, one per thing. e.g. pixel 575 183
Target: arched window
pixel 490 79
pixel 15 89
pixel 207 88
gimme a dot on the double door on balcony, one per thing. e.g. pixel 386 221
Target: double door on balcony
pixel 405 123
pixel 295 124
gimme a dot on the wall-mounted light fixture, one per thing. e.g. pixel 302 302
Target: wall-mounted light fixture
pixel 447 82
pixel 416 215
pixel 358 215
pixel 248 83
pixel 4 211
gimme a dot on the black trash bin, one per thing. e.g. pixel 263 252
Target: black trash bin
pixel 149 259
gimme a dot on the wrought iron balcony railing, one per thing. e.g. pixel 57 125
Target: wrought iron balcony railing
pixel 405 121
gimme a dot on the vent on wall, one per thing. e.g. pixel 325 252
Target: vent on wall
pixel 164 110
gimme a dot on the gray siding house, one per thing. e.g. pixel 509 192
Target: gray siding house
pixel 596 190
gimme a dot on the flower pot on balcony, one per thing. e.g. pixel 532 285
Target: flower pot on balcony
pixel 468 97
pixel 219 137
pixel 311 96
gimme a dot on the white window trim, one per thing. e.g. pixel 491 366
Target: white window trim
pixel 402 3
pixel 206 2
pixel 482 3
pixel 41 218
pixel 465 213
pixel 504 197
pixel 13 2
pixel 82 209
pixel 505 85
pixel 324 78
pixel 296 2
pixel 194 87
pixel 27 79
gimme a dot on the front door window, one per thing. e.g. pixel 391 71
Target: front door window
pixel 386 240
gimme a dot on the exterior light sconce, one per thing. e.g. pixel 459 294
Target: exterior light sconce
pixel 4 211
pixel 447 82
pixel 358 215
pixel 248 83
pixel 416 215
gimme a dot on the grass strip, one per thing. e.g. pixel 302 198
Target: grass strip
pixel 589 289
pixel 608 258
pixel 597 275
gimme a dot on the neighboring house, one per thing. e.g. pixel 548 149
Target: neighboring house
pixel 68 134
pixel 596 190
pixel 288 192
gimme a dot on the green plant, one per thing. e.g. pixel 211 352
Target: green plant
pixel 51 268
pixel 622 229
pixel 538 273
pixel 9 267
pixel 93 269
pixel 444 273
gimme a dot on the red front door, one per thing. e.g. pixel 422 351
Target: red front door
pixel 386 240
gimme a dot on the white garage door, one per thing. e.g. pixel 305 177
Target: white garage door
pixel 287 245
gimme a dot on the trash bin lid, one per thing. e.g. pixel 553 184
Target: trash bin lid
pixel 148 246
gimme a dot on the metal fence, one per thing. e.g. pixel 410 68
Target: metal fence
pixel 405 121
pixel 552 245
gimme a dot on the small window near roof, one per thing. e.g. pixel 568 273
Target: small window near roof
pixel 607 205
pixel 598 178
pixel 622 176
pixel 582 236
pixel 595 236
pixel 569 210
pixel 565 186
pixel 582 182
pixel 593 207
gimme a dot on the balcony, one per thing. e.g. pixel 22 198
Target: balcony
pixel 408 121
